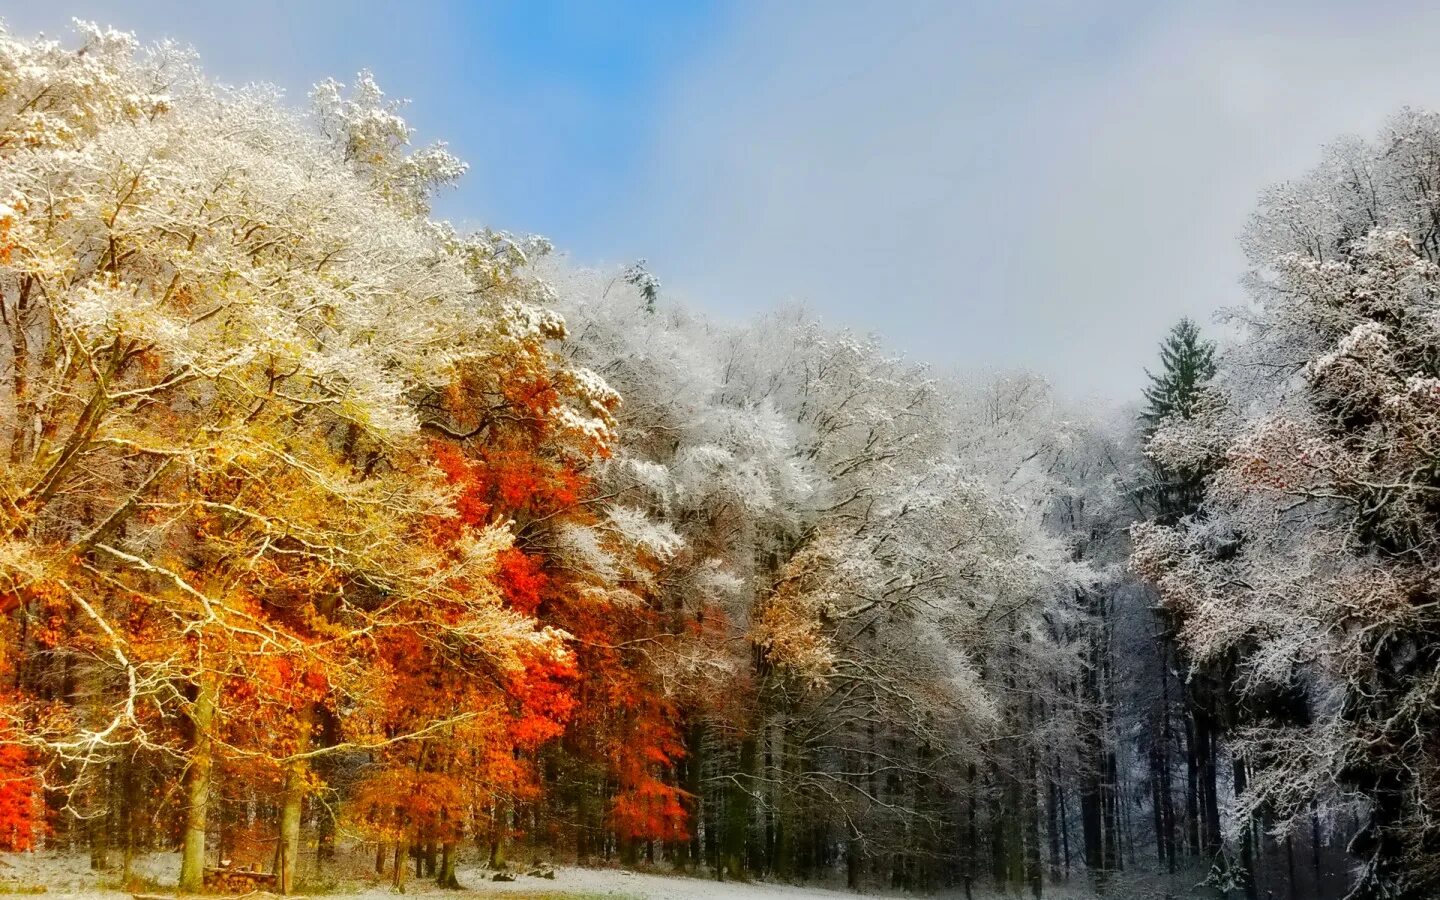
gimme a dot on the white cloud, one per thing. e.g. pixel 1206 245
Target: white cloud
pixel 990 187
pixel 1046 184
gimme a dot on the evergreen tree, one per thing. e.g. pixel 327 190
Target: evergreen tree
pixel 1187 363
pixel 1193 709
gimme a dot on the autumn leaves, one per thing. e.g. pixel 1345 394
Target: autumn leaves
pixel 282 451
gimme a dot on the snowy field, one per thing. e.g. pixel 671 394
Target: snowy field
pixel 576 882
pixel 69 875
pixel 595 883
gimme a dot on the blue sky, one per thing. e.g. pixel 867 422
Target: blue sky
pixel 1045 184
pixel 549 102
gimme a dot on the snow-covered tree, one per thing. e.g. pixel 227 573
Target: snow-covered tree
pixel 226 331
pixel 1312 565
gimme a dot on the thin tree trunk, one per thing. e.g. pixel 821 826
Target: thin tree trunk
pixel 1247 840
pixel 1034 872
pixel 972 836
pixel 397 875
pixel 129 799
pixel 1192 786
pixel 1206 741
pixel 694 762
pixel 738 806
pixel 1052 815
pixel 1290 866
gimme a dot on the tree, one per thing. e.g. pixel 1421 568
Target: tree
pixel 224 336
pixel 1308 569
pixel 1187 363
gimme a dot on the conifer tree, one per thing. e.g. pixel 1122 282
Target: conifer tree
pixel 1187 363
pixel 1174 396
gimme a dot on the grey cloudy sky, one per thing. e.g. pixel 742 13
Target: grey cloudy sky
pixel 1045 185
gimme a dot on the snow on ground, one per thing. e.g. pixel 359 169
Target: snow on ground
pixel 68 875
pixel 621 883
pixel 599 883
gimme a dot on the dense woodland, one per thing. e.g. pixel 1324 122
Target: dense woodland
pixel 327 529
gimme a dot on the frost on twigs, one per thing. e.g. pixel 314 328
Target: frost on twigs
pixel 227 327
pixel 1311 562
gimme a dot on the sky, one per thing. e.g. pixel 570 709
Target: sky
pixel 1043 185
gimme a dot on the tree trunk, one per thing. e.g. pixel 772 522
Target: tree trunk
pixel 397 876
pixel 1034 872
pixel 1247 839
pixel 1192 787
pixel 972 832
pixel 100 826
pixel 197 785
pixel 1163 772
pixel 129 799
pixel 446 877
pixel 1065 829
pixel 1157 804
pixel 694 762
pixel 737 809
pixel 853 864
pixel 292 803
pixel 1211 841
pixel 501 821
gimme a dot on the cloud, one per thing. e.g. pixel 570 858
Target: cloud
pixel 1046 184
pixel 991 187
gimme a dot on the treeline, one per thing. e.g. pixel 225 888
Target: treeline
pixel 327 529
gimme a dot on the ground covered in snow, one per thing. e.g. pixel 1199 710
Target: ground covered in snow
pixel 69 875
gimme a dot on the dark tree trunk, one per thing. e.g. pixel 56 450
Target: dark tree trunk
pixel 1247 839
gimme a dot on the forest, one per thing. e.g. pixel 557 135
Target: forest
pixel 328 528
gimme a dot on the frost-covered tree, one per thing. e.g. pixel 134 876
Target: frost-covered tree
pixel 1311 566
pixel 225 331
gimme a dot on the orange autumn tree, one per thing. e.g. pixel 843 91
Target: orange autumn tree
pixel 236 559
pixel 510 436
pixel 584 564
pixel 225 327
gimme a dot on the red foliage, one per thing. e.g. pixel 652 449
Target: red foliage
pixel 606 699
pixel 521 580
pixel 645 806
pixel 20 820
pixel 546 701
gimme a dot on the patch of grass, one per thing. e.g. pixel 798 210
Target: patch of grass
pixel 21 887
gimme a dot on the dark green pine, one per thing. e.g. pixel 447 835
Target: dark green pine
pixel 1187 363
